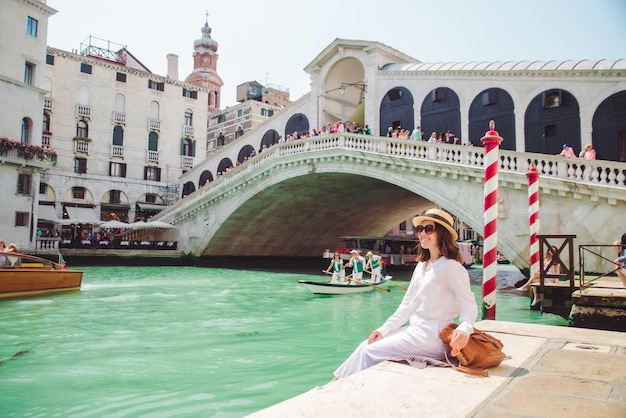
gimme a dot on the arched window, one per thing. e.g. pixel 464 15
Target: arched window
pixel 188 118
pixel 26 131
pixel 239 132
pixel 82 129
pixel 118 136
pixel 153 141
pixel 187 147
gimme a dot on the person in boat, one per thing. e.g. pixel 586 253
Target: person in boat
pixel 12 259
pixel 534 279
pixel 374 265
pixel 337 269
pixel 357 264
pixel 3 249
pixel 439 291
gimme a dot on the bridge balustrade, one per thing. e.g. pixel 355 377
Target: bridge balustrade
pixel 590 172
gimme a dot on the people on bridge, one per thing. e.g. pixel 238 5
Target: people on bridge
pixel 554 268
pixel 336 269
pixel 588 153
pixel 357 264
pixel 439 291
pixel 416 135
pixel 567 151
pixel 374 266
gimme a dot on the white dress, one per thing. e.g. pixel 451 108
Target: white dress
pixel 434 298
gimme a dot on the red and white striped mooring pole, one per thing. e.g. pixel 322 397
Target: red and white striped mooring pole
pixel 533 217
pixel 492 142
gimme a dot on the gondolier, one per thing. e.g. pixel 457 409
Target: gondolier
pixel 338 271
pixel 374 266
pixel 357 263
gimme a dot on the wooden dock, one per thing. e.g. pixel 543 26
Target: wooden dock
pixel 601 304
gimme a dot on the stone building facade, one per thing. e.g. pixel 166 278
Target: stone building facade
pixel 22 158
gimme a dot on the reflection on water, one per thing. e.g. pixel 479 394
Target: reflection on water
pixel 185 341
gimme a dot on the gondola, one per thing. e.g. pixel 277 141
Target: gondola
pixel 325 288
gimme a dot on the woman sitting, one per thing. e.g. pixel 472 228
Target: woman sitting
pixel 555 268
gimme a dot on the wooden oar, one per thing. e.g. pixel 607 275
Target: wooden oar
pixel 331 277
pixel 331 273
pixel 376 287
pixel 387 280
pixel 396 284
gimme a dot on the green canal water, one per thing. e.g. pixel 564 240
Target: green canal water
pixel 187 341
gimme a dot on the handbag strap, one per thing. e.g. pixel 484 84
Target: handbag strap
pixel 469 370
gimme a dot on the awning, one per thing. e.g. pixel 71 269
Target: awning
pixel 149 207
pixel 80 216
pixel 47 213
pixel 114 206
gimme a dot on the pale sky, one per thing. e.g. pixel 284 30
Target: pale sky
pixel 273 40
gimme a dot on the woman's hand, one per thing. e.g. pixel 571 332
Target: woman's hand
pixel 458 341
pixel 375 336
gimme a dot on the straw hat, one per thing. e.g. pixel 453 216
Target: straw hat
pixel 439 216
pixel 369 254
pixel 357 252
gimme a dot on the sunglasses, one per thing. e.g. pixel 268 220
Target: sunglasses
pixel 428 229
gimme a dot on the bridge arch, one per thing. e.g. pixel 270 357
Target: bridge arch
pixel 397 109
pixel 493 104
pixel 343 88
pixel 188 188
pixel 552 119
pixel 270 138
pixel 304 186
pixel 298 122
pixel 245 152
pixel 205 177
pixel 441 112
pixel 224 165
pixel 609 128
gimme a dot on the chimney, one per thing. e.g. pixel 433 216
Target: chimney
pixel 172 66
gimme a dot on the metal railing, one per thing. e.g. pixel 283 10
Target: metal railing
pixel 607 254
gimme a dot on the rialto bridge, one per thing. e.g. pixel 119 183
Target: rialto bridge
pixel 296 198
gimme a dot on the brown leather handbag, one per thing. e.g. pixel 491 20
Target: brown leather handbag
pixel 481 352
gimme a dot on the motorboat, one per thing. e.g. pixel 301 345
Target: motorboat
pixel 23 275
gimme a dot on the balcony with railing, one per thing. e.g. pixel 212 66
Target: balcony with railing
pixel 47 103
pixel 188 130
pixel 117 151
pixel 15 152
pixel 119 118
pixel 187 161
pixel 45 139
pixel 154 124
pixel 81 146
pixel 152 156
pixel 83 111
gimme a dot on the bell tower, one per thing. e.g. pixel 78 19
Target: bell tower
pixel 205 66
